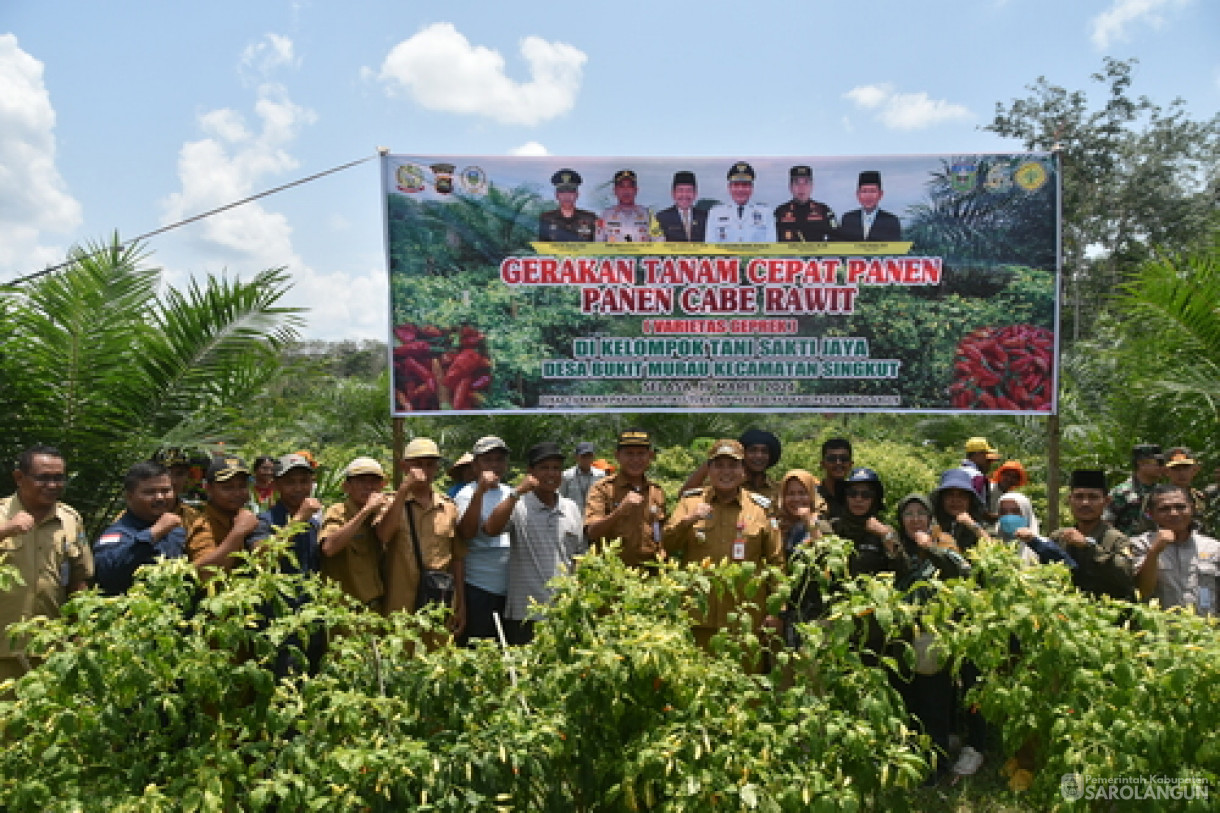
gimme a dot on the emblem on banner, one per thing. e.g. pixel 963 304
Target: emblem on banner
pixel 474 181
pixel 999 179
pixel 410 178
pixel 963 177
pixel 1031 175
pixel 443 178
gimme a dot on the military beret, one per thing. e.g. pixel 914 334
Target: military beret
pixel 1147 451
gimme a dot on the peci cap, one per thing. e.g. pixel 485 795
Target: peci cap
pixel 1088 478
pixel 869 176
pixel 225 468
pixel 975 445
pixel 634 437
pixel 543 451
pixel 624 175
pixel 566 180
pixel 684 176
pixel 741 172
pixel 288 462
pixel 585 447
pixel 800 171
pixel 419 448
pixel 1180 456
pixel 488 444
pixel 363 465
pixel 726 448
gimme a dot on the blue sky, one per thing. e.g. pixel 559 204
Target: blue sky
pixel 128 115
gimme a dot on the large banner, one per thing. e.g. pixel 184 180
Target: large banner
pixel 844 284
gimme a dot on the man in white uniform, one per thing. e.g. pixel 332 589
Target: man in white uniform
pixel 741 221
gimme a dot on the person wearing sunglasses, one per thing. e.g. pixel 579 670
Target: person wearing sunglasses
pixel 836 465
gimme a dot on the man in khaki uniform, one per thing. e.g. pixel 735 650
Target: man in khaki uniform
pixel 627 505
pixel 45 541
pixel 351 551
pixel 431 524
pixel 225 525
pixel 724 522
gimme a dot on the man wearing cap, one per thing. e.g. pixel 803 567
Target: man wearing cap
pixel 802 219
pixel 720 523
pixel 567 224
pixel 763 451
pixel 1180 469
pixel 1102 554
pixel 45 540
pixel 980 457
pixel 486 583
pixel 421 519
pixel 1126 509
pixel 1174 562
pixel 146 531
pixel 461 473
pixel 740 221
pixel 578 479
pixel 626 222
pixel 682 222
pixel 351 550
pixel 226 525
pixel 547 536
pixel 295 502
pixel 869 223
pixel 626 505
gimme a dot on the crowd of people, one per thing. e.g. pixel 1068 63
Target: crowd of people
pixel 488 550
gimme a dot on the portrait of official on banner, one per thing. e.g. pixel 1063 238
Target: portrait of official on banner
pixel 827 284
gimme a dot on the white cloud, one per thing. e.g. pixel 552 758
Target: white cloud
pixel 1112 25
pixel 33 196
pixel 530 148
pixel 906 111
pixel 441 70
pixel 343 305
pixel 235 161
pixel 261 58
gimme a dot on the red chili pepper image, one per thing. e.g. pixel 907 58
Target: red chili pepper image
pixel 1004 368
pixel 440 368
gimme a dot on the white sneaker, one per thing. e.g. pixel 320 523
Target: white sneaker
pixel 968 762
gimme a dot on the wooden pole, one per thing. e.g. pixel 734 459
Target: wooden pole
pixel 400 446
pixel 1053 434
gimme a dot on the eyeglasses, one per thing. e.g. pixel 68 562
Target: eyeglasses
pixel 1173 508
pixel 50 479
pixel 916 515
pixel 837 458
pixel 859 493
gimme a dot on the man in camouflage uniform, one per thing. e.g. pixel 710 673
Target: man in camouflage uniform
pixel 567 224
pixel 802 219
pixel 1102 554
pixel 627 222
pixel 1126 510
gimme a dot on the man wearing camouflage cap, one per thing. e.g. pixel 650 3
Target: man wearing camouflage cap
pixel 1126 511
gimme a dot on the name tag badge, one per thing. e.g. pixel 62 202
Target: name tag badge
pixel 739 550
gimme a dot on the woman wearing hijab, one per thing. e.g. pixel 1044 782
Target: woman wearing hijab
pixel 957 509
pixel 801 508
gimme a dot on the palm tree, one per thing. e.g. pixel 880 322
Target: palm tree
pixel 95 361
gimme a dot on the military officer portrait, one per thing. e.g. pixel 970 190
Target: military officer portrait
pixel 567 224
pixel 802 219
pixel 740 221
pixel 682 222
pixel 870 223
pixel 627 221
